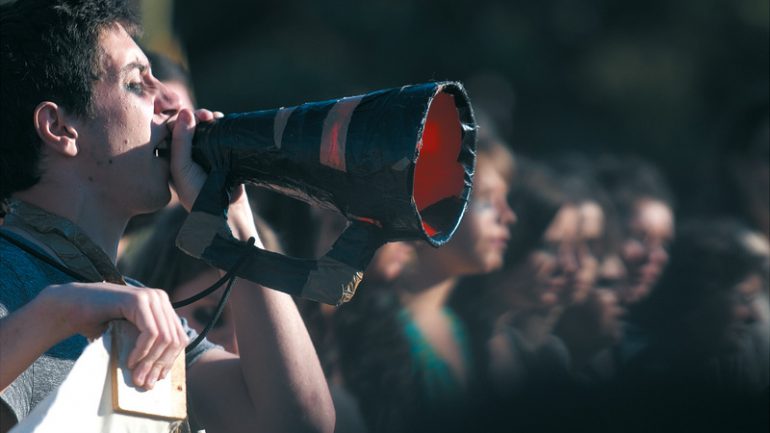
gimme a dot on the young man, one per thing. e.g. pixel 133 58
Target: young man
pixel 81 117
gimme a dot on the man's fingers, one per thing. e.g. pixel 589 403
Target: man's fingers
pixel 160 339
pixel 142 318
pixel 165 346
pixel 181 136
pixel 204 115
pixel 161 336
pixel 178 339
pixel 187 176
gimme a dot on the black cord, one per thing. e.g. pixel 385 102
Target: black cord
pixel 230 277
pixel 202 294
pixel 214 319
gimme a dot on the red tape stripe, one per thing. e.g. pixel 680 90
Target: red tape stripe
pixel 335 133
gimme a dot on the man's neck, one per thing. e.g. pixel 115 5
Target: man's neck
pixel 102 226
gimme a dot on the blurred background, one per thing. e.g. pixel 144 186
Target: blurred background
pixel 659 79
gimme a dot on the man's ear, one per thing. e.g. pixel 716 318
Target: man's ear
pixel 55 129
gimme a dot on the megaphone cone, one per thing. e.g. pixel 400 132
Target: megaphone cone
pixel 398 163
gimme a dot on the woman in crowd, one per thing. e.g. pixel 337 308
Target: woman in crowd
pixel 591 325
pixel 405 353
pixel 694 359
pixel 525 299
pixel 644 205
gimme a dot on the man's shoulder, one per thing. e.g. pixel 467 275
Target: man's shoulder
pixel 23 276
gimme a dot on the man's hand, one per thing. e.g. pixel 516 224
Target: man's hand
pixel 87 308
pixel 188 177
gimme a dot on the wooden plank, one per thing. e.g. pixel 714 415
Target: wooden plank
pixel 167 399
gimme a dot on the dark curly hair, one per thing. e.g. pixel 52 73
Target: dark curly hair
pixel 49 51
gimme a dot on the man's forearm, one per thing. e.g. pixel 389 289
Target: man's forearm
pixel 25 335
pixel 279 364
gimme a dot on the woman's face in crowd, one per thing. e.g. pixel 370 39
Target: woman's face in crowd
pixel 549 273
pixel 589 252
pixel 724 319
pixel 645 249
pixel 480 241
pixel 200 313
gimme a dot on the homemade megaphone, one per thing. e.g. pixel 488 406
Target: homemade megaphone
pixel 398 163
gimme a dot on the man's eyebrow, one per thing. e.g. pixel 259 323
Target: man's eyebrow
pixel 134 65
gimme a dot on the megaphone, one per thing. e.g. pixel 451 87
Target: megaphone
pixel 397 163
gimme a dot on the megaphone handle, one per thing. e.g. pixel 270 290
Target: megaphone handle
pixel 331 279
pixel 338 273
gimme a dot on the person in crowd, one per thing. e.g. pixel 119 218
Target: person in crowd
pixel 645 207
pixel 404 352
pixel 512 312
pixel 82 116
pixel 695 353
pixel 538 279
pixel 741 186
pixel 592 324
pixel 386 266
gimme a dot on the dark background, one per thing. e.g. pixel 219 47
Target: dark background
pixel 657 78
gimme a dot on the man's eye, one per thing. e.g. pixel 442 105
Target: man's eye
pixel 135 87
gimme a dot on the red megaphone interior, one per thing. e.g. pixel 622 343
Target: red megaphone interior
pixel 438 174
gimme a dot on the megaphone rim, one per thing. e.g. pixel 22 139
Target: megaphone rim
pixel 467 152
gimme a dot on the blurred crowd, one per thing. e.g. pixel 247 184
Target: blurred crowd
pixel 573 297
pixel 575 294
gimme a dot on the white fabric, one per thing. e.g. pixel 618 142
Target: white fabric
pixel 83 402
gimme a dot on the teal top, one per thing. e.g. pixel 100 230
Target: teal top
pixel 439 384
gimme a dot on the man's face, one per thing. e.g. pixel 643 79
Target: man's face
pixel 131 109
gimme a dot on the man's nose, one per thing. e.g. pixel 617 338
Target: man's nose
pixel 167 101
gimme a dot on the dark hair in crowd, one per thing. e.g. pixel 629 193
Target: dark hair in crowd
pixel 536 197
pixel 628 179
pixel 579 179
pixel 49 52
pixel 708 257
